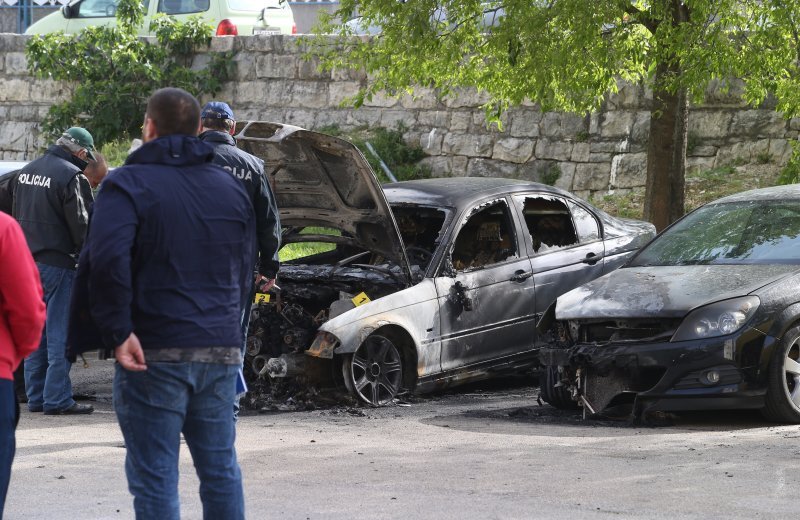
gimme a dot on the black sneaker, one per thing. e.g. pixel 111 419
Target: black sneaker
pixel 75 409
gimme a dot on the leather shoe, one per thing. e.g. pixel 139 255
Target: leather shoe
pixel 75 409
pixel 35 409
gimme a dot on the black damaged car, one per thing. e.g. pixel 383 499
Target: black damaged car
pixel 706 316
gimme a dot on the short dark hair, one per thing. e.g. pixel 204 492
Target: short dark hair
pixel 215 123
pixel 174 111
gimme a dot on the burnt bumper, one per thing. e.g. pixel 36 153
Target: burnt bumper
pixel 717 373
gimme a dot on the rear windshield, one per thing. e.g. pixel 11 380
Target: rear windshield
pixel 754 232
pixel 256 5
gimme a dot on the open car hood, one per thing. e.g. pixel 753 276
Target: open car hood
pixel 320 180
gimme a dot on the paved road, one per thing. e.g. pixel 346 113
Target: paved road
pixel 486 452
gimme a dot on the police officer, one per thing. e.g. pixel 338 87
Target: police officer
pixel 218 128
pixel 50 207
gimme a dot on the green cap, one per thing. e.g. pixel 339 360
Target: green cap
pixel 82 138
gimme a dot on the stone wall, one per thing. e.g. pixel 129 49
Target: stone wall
pixel 595 153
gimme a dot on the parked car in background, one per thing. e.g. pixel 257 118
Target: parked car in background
pixel 707 316
pixel 420 284
pixel 229 17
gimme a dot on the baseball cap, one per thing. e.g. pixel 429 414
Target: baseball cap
pixel 217 110
pixel 82 138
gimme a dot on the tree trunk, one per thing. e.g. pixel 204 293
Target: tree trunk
pixel 666 147
pixel 666 157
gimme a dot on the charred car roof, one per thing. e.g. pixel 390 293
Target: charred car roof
pixel 459 191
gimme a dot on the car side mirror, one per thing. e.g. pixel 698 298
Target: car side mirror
pixel 66 11
pixel 463 298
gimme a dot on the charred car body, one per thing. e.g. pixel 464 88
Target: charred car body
pixel 421 284
pixel 707 316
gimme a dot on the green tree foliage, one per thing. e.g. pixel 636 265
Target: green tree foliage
pixel 111 71
pixel 570 55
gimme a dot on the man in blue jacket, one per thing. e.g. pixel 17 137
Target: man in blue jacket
pixel 164 275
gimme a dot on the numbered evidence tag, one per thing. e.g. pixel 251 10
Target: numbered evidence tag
pixel 360 299
pixel 261 298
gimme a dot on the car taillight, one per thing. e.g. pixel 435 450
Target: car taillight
pixel 294 28
pixel 227 28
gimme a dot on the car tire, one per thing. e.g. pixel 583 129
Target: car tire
pixel 783 380
pixel 558 396
pixel 374 372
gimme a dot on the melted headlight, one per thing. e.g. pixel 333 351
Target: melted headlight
pixel 717 319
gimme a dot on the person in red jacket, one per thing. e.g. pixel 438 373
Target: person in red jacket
pixel 21 321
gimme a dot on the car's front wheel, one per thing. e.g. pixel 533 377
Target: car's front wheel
pixel 374 372
pixel 783 384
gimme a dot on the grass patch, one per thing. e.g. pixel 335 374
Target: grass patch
pixel 116 152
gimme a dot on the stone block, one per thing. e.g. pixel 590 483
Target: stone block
pixel 600 157
pixel 627 96
pixel 641 127
pixel 794 123
pixel 703 151
pixel 574 125
pixel 381 100
pixel 262 92
pixel 16 136
pixel 734 155
pixel 272 114
pixel 262 43
pixel 224 44
pixel 460 121
pixel 699 164
pixel 393 118
pixel 332 117
pixel 780 150
pixel 591 176
pixel 310 94
pixel 710 124
pixel 278 66
pixel 580 152
pixel 758 123
pixel 431 142
pixel 469 145
pixel 550 126
pixel 491 168
pixel 364 116
pixel 16 64
pixel 309 68
pixel 567 176
pixel 340 91
pixel 440 165
pixel 524 123
pixel 421 98
pixel 465 98
pixel 556 150
pixel 348 75
pixel 513 150
pixel 16 89
pixel 617 124
pixel 300 117
pixel 628 170
pixel 726 92
pixel 433 118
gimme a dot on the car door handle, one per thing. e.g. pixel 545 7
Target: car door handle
pixel 521 276
pixel 592 259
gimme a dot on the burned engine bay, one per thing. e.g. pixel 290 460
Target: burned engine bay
pixel 311 290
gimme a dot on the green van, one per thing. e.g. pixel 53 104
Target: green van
pixel 229 17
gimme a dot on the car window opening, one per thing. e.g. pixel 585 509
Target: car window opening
pixel 549 223
pixel 486 239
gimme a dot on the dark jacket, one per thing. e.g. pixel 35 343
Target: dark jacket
pixel 49 207
pixel 7 183
pixel 168 255
pixel 250 170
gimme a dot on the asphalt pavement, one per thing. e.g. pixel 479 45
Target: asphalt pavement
pixel 485 451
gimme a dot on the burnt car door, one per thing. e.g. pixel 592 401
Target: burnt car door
pixel 565 245
pixel 485 289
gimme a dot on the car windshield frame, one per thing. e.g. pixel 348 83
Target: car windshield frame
pixel 751 232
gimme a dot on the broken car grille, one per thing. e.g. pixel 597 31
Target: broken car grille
pixel 643 331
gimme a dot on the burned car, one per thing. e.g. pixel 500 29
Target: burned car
pixel 707 316
pixel 419 284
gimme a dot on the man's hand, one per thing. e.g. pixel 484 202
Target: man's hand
pixel 130 354
pixel 263 283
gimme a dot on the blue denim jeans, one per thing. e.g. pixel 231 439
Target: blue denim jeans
pixel 47 380
pixel 8 423
pixel 153 408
